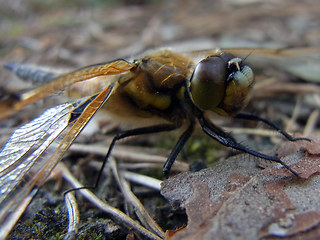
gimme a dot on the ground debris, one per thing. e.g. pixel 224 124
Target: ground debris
pixel 236 200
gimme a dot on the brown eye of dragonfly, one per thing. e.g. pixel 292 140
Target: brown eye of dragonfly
pixel 220 84
pixel 208 82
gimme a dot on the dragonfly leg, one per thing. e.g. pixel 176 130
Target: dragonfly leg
pixel 176 150
pixel 227 140
pixel 249 116
pixel 134 132
pixel 124 134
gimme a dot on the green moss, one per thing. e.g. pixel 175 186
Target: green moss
pixel 49 223
pixel 198 147
pixel 201 147
pixel 101 229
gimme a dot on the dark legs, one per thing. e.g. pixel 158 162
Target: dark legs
pixel 153 129
pixel 134 132
pixel 210 129
pixel 226 140
pixel 177 148
pixel 249 116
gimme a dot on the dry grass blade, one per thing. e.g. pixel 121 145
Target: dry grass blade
pixel 117 152
pixel 311 123
pixel 282 87
pixel 135 166
pixel 129 154
pixel 73 213
pixel 127 166
pixel 253 131
pixel 142 179
pixel 116 213
pixel 294 115
pixel 141 212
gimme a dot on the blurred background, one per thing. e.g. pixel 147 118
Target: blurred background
pixel 77 32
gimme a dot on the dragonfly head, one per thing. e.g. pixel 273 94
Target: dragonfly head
pixel 221 83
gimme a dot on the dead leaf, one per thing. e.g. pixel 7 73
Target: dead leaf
pixel 236 200
pixel 171 233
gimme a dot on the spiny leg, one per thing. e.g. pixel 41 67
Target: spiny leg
pixel 134 132
pixel 124 134
pixel 177 149
pixel 226 140
pixel 249 116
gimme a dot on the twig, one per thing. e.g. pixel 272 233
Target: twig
pixel 141 212
pixel 282 87
pixel 123 218
pixel 131 155
pixel 311 123
pixel 253 131
pixel 142 179
pixel 294 115
pixel 73 213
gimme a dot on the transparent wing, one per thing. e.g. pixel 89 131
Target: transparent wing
pixel 12 105
pixel 33 151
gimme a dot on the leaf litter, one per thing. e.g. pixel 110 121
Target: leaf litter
pixel 236 200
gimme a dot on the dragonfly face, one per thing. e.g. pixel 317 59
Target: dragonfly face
pixel 160 92
pixel 221 84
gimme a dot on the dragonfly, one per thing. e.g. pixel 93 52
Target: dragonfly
pixel 161 91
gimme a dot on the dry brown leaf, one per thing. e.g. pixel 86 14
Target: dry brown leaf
pixel 236 200
pixel 171 233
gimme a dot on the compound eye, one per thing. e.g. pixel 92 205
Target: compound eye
pixel 208 83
